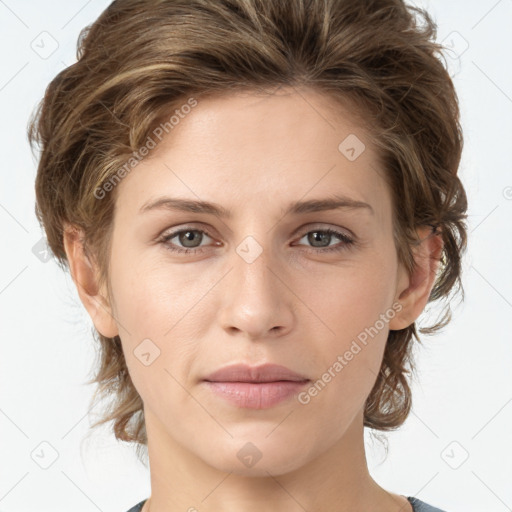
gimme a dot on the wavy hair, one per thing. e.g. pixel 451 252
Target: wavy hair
pixel 143 58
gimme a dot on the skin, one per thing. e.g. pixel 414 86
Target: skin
pixel 254 155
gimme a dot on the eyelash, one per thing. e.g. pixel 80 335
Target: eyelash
pixel 347 241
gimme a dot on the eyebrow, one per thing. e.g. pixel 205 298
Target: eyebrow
pixel 336 202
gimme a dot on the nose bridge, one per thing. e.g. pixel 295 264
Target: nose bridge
pixel 257 302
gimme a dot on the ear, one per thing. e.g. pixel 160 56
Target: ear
pixel 414 290
pixel 84 273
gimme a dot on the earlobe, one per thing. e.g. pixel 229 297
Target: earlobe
pixel 413 290
pixel 84 274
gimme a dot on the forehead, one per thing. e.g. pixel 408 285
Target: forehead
pixel 251 149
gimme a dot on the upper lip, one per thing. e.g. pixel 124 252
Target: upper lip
pixel 262 373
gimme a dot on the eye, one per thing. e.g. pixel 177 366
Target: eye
pixel 323 237
pixel 189 238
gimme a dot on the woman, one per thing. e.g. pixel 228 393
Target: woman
pixel 256 200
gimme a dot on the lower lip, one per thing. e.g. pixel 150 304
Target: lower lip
pixel 261 395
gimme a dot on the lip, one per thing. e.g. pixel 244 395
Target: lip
pixel 261 373
pixel 255 387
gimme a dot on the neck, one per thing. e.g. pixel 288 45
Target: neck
pixel 338 480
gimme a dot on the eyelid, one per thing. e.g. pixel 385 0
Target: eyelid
pixel 184 227
pixel 174 230
pixel 170 233
pixel 319 226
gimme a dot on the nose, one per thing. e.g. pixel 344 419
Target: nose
pixel 257 301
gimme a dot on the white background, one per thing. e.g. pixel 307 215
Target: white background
pixel 463 397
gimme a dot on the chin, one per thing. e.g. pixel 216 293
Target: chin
pixel 260 457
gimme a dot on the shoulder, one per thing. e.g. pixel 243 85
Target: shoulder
pixel 138 507
pixel 421 506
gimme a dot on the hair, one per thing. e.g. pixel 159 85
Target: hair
pixel 143 58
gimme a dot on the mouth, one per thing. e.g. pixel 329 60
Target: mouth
pixel 252 395
pixel 258 387
pixel 258 374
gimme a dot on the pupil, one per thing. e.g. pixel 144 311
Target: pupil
pixel 319 236
pixel 188 236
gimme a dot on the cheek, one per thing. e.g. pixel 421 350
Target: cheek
pixel 152 297
pixel 350 298
pixel 161 312
pixel 354 306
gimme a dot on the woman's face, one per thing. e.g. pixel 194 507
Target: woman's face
pixel 266 283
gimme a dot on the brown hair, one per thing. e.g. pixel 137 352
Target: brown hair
pixel 142 58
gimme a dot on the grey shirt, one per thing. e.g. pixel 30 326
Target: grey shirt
pixel 417 505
